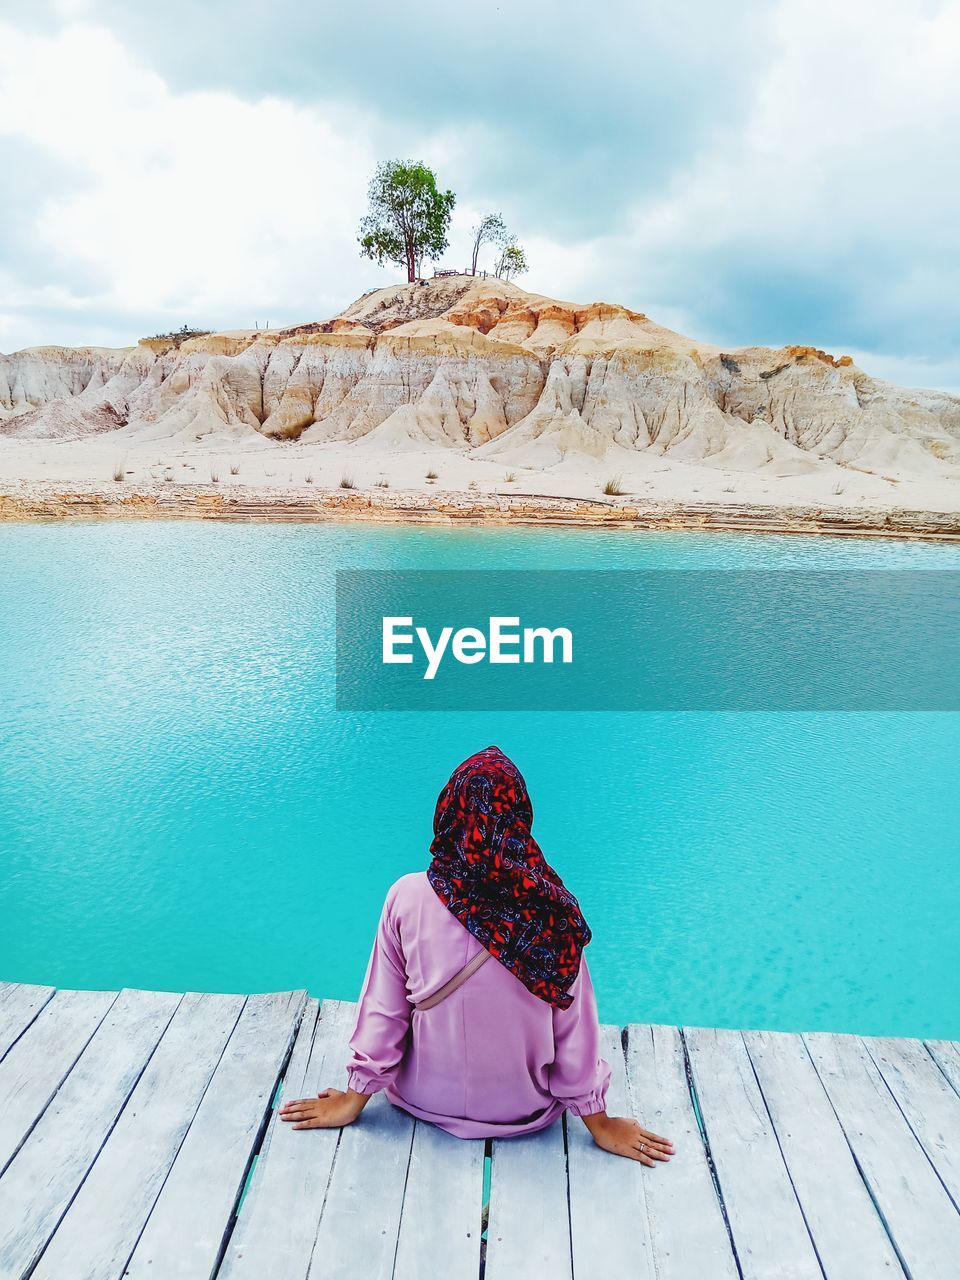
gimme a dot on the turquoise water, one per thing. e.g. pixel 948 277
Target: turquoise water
pixel 182 807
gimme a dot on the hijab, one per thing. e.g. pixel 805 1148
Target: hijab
pixel 488 870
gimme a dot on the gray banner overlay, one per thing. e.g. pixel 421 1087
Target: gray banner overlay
pixel 665 640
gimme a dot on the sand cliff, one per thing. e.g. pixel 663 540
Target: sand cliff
pixel 481 371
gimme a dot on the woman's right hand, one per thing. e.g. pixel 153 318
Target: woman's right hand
pixel 623 1136
pixel 331 1109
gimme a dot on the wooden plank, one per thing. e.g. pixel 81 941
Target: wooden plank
pixel 51 1165
pixel 688 1234
pixel 448 1172
pixel 360 1226
pixel 277 1226
pixel 946 1054
pixel 101 1227
pixel 769 1232
pixel 186 1231
pixel 39 1062
pixel 927 1099
pixel 920 1217
pixel 609 1231
pixel 19 1005
pixel 529 1225
pixel 850 1237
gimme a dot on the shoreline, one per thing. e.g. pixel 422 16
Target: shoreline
pixel 56 502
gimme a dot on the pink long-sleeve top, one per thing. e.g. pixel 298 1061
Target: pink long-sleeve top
pixel 491 1060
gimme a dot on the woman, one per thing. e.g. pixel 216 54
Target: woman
pixel 481 1050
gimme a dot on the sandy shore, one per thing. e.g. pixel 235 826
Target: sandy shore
pixel 268 480
pixel 34 501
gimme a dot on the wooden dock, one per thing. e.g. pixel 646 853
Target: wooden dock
pixel 139 1138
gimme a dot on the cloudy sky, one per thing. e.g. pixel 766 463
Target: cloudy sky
pixel 763 172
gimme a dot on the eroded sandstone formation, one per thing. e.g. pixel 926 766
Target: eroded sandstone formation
pixel 479 364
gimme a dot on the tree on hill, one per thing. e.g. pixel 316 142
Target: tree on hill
pixel 489 230
pixel 512 260
pixel 408 217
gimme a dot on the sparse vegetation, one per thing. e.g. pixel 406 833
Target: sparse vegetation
pixel 214 477
pixel 614 487
pixel 432 475
pixel 489 230
pixel 177 336
pixel 383 483
pixel 118 471
pixel 512 260
pixel 346 482
pixel 509 477
pixel 235 468
pixel 308 479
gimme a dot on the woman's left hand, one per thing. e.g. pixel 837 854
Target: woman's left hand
pixel 331 1109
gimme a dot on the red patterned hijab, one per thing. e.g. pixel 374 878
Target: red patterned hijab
pixel 488 870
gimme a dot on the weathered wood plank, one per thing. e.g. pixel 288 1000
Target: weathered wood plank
pixel 51 1165
pixel 609 1230
pixel 102 1225
pixel 529 1225
pixel 920 1216
pixel 769 1231
pixel 186 1231
pixel 277 1227
pixel 361 1219
pixel 440 1225
pixel 689 1237
pixel 39 1062
pixel 928 1101
pixel 946 1054
pixel 849 1235
pixel 19 1005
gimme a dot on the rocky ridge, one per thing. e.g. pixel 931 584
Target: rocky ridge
pixel 482 366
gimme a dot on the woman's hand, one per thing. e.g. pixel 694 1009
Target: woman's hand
pixel 331 1109
pixel 622 1136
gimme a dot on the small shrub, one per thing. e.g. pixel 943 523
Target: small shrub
pixel 838 488
pixel 235 468
pixel 432 475
pixel 346 482
pixel 214 477
pixel 118 472
pixel 383 483
pixel 614 487
pixel 309 479
pixel 509 477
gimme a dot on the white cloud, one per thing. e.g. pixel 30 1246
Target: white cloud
pixel 198 203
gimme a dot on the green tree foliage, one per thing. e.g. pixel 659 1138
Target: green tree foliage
pixel 489 230
pixel 408 217
pixel 512 260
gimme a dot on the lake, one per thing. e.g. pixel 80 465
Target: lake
pixel 182 807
